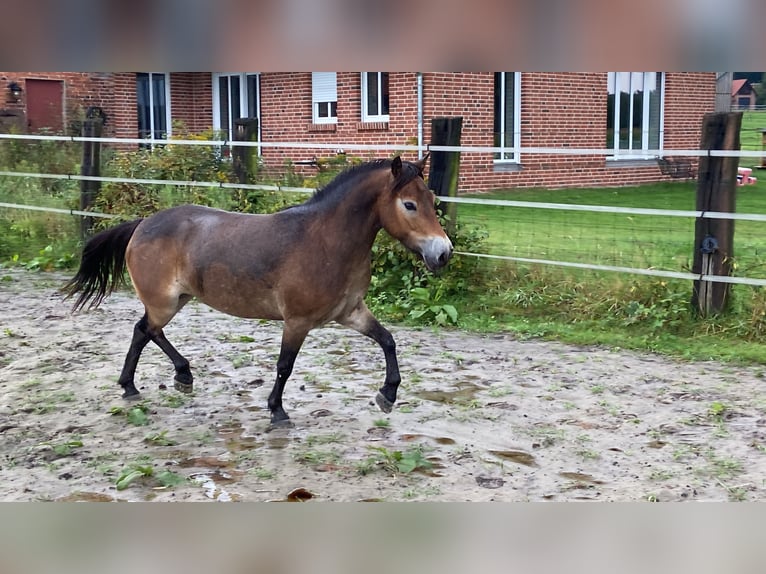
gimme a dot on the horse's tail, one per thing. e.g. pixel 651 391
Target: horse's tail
pixel 102 267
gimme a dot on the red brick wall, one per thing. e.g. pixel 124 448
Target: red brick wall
pixel 557 110
pixel 81 90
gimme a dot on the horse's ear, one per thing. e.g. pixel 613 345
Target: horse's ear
pixel 421 165
pixel 396 166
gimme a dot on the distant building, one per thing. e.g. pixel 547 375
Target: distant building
pixel 743 95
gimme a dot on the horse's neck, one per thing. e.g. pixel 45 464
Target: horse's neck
pixel 353 220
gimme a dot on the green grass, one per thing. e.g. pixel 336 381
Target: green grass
pixel 750 136
pixel 614 239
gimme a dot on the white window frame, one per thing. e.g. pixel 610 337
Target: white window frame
pixel 168 115
pixel 243 102
pixel 324 90
pixel 614 80
pixel 366 115
pixel 510 156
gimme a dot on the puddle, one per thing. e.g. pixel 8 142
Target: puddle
pixel 209 482
pixel 204 462
pixel 580 477
pixel 277 442
pixel 443 440
pixel 517 456
pixel 242 443
pixel 86 497
pixel 464 392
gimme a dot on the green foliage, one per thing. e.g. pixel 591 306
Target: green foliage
pixel 403 289
pixel 396 461
pixel 25 235
pixel 135 415
pixel 203 163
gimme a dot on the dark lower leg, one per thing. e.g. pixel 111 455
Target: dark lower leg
pixel 287 355
pixel 183 376
pixel 388 391
pixel 140 339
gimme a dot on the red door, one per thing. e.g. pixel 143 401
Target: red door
pixel 45 105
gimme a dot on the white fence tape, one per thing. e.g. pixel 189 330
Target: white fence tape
pixel 624 154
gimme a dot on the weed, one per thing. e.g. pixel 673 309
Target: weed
pixel 262 473
pixel 399 462
pixel 382 423
pixel 174 400
pixel 159 439
pixel 314 440
pixel 318 457
pixel 135 415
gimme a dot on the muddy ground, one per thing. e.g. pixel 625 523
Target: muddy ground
pixel 479 418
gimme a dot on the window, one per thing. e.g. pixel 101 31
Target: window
pixel 507 128
pixel 324 97
pixel 634 112
pixel 235 96
pixel 153 98
pixel 375 96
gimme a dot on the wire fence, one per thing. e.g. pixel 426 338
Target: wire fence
pixel 634 240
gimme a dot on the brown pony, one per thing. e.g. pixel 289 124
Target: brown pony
pixel 307 265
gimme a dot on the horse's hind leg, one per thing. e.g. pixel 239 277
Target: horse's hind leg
pixel 363 321
pixel 151 330
pixel 140 339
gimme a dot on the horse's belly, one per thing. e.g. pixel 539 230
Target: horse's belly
pixel 248 298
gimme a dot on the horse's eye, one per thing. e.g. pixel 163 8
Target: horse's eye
pixel 410 206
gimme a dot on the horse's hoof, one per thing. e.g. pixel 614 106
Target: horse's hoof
pixel 183 387
pixel 385 405
pixel 131 395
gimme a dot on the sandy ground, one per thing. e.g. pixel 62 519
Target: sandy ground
pixel 481 418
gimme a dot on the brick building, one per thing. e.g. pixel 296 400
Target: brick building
pixel 639 113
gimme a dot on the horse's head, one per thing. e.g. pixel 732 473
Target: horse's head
pixel 407 212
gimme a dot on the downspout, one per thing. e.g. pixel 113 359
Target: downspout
pixel 420 114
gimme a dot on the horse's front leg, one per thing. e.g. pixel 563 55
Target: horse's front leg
pixel 292 340
pixel 363 321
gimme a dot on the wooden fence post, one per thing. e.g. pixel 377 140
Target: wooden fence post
pixel 445 165
pixel 716 191
pixel 244 158
pixel 91 166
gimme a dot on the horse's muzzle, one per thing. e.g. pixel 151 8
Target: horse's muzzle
pixel 436 252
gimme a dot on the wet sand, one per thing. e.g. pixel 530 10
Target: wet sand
pixel 481 418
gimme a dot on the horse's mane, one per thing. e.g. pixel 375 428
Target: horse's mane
pixel 337 188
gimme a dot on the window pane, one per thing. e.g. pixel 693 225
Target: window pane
pixel 160 118
pixel 322 109
pixel 637 121
pixel 235 99
pixel 223 103
pixel 509 109
pixel 252 96
pixel 384 93
pixel 611 109
pixel 372 94
pixel 142 96
pixel 334 109
pixel 655 99
pixel 624 119
pixel 498 108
